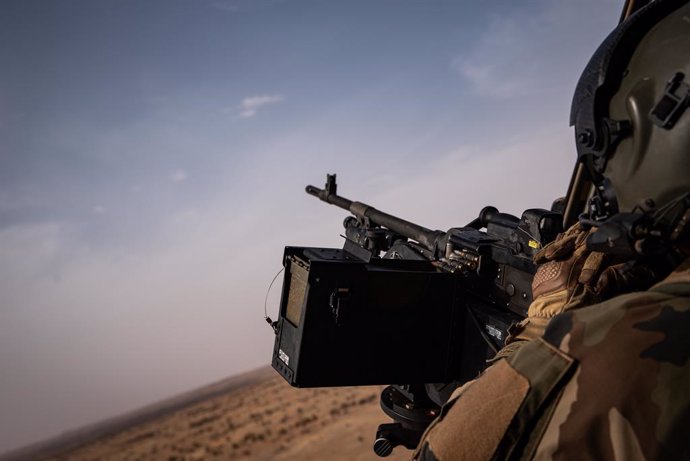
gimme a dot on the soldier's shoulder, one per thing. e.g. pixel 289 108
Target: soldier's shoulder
pixel 629 389
pixel 631 317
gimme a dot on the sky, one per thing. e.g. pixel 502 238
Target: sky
pixel 153 159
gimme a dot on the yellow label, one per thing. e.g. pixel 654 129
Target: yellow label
pixel 533 244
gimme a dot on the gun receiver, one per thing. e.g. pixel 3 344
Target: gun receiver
pixel 401 303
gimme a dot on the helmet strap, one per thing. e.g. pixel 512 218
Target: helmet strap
pixel 642 233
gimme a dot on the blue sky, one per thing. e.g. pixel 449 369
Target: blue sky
pixel 154 157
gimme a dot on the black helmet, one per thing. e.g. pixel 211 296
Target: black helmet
pixel 632 132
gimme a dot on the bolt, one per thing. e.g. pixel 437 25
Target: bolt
pixel 585 138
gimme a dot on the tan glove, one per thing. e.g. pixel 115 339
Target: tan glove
pixel 571 276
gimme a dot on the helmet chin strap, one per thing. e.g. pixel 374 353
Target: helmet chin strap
pixel 603 203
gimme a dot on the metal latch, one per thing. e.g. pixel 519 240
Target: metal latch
pixel 338 302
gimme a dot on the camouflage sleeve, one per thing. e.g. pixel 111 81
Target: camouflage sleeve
pixel 630 395
pixel 483 420
pixel 606 382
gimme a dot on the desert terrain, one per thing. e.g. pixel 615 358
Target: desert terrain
pixel 256 416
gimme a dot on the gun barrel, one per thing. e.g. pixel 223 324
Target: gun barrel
pixel 329 197
pixel 426 237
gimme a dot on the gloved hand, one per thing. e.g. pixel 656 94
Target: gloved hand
pixel 572 276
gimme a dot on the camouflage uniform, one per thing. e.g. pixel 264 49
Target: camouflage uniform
pixel 606 381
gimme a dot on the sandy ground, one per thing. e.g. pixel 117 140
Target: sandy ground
pixel 262 418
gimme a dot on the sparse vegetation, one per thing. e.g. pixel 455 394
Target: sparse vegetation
pixel 269 421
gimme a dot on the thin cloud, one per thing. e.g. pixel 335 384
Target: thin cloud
pixel 227 7
pixel 528 52
pixel 251 105
pixel 508 163
pixel 178 176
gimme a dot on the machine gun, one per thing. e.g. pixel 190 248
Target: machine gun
pixel 420 310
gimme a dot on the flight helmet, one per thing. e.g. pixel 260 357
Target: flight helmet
pixel 632 128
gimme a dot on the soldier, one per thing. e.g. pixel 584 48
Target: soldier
pixel 599 369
